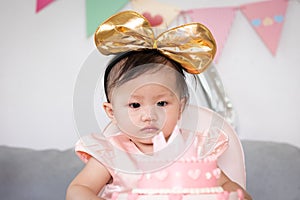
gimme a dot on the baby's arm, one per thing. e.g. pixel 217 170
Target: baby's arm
pixel 89 182
pixel 230 186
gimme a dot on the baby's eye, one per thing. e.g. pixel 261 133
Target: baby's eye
pixel 162 103
pixel 134 105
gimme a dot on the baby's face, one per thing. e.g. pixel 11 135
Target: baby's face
pixel 147 105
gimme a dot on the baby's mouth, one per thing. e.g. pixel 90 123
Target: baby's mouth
pixel 150 129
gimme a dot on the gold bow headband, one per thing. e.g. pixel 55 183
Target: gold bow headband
pixel 192 45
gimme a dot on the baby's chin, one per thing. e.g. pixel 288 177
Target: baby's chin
pixel 143 137
pixel 143 141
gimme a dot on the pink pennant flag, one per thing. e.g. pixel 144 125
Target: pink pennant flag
pixel 40 4
pixel 218 20
pixel 267 20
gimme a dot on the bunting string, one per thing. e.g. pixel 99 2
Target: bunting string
pixel 266 17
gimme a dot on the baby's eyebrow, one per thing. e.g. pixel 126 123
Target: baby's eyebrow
pixel 167 94
pixel 136 97
pixel 161 95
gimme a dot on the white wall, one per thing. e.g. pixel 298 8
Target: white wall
pixel 41 55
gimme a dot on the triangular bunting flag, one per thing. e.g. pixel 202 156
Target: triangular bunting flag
pixel 267 19
pixel 159 15
pixel 40 4
pixel 218 20
pixel 98 10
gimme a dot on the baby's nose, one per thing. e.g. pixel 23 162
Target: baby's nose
pixel 149 114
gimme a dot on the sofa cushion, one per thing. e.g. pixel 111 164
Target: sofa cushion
pixel 36 175
pixel 273 170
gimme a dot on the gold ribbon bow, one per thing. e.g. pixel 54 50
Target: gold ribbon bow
pixel 192 45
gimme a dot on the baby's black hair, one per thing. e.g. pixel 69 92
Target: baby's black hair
pixel 129 61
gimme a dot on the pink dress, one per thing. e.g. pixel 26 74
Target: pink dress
pixel 126 163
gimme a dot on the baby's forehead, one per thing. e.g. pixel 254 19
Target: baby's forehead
pixel 164 79
pixel 154 88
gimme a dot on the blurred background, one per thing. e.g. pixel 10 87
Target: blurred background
pixel 43 49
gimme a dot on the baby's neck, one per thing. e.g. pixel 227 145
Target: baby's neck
pixel 144 148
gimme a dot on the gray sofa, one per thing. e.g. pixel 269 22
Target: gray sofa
pixel 273 172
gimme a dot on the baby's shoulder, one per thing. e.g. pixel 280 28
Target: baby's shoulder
pixel 92 145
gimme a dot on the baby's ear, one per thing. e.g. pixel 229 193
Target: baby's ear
pixel 109 110
pixel 182 104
